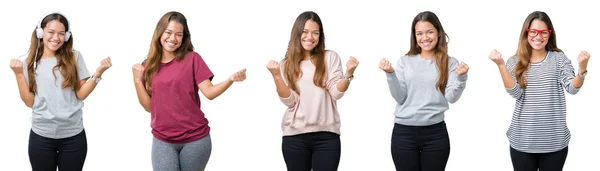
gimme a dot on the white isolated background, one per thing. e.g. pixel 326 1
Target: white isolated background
pixel 245 120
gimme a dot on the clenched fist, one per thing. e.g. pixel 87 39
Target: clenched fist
pixel 462 69
pixel 238 76
pixel 386 66
pixel 17 66
pixel 273 67
pixel 104 65
pixel 351 65
pixel 583 59
pixel 138 72
pixel 496 57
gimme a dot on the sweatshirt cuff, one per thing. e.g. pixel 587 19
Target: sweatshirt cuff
pixel 463 77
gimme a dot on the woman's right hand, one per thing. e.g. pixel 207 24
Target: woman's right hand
pixel 138 72
pixel 386 66
pixel 496 57
pixel 17 66
pixel 273 67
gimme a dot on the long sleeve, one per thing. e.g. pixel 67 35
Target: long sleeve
pixel 567 74
pixel 292 100
pixel 516 92
pixel 456 84
pixel 396 83
pixel 334 74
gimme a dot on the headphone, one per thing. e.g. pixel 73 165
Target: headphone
pixel 40 31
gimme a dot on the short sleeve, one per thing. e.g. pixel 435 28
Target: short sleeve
pixel 81 67
pixel 201 70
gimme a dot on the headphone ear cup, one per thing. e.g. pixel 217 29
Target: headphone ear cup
pixel 39 32
pixel 67 36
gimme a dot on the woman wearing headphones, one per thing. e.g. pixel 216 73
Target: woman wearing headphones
pixel 53 82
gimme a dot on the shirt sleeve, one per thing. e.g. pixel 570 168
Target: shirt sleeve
pixel 82 69
pixel 334 74
pixel 201 70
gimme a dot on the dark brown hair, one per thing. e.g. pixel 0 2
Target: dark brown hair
pixel 295 52
pixel 65 57
pixel 154 57
pixel 524 50
pixel 440 50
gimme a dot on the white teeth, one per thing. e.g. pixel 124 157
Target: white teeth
pixel 170 44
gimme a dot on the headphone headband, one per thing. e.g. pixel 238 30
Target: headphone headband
pixel 40 30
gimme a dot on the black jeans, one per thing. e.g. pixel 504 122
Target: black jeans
pixel 553 161
pixel 420 148
pixel 319 151
pixel 45 154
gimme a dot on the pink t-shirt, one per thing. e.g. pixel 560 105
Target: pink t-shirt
pixel 176 115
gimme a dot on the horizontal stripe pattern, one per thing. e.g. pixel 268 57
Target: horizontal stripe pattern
pixel 539 119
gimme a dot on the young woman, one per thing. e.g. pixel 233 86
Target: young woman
pixel 53 82
pixel 424 82
pixel 309 81
pixel 537 76
pixel 167 85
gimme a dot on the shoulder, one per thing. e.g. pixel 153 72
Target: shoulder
pixel 331 55
pixel 558 55
pixel 77 54
pixel 192 55
pixel 512 60
pixel 406 58
pixel 452 60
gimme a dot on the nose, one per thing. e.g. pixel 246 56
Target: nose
pixel 171 37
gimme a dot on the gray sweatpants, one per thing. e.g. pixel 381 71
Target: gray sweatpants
pixel 192 156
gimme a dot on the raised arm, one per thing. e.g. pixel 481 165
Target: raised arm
pixel 507 73
pixel 203 76
pixel 140 87
pixel 87 86
pixel 18 68
pixel 287 96
pixel 457 81
pixel 395 79
pixel 582 59
pixel 337 84
pixel 211 91
pixel 570 81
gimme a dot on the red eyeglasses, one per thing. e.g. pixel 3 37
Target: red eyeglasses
pixel 536 32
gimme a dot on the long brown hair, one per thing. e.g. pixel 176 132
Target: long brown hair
pixel 154 57
pixel 524 50
pixel 295 52
pixel 64 55
pixel 440 50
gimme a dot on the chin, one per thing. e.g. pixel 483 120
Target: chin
pixel 309 48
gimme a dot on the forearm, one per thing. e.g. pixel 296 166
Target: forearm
pixel 578 81
pixel 455 89
pixel 343 84
pixel 143 96
pixel 216 90
pixel 26 95
pixel 86 89
pixel 508 80
pixel 282 90
pixel 397 89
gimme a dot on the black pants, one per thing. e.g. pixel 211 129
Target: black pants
pixel 319 151
pixel 420 148
pixel 45 154
pixel 544 161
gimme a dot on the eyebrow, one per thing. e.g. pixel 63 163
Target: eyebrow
pixel 426 30
pixel 173 31
pixel 49 29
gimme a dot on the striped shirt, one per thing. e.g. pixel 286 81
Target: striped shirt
pixel 539 118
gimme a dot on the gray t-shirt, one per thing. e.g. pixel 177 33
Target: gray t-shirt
pixel 419 103
pixel 56 111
